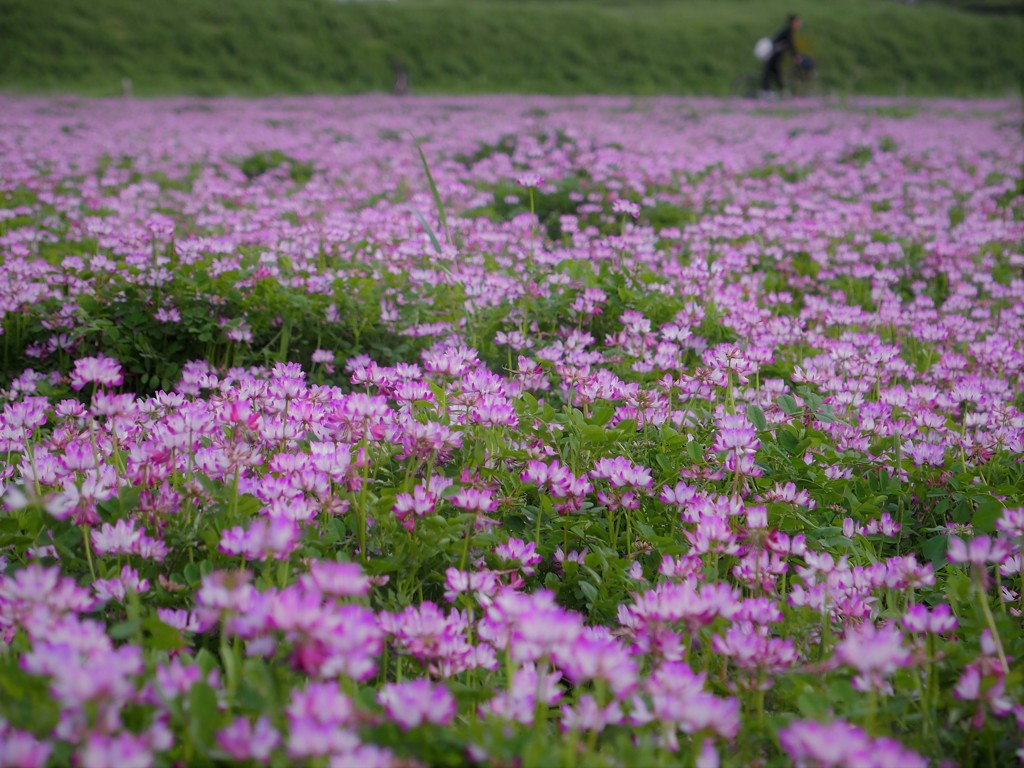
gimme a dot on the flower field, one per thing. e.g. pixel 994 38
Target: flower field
pixel 511 432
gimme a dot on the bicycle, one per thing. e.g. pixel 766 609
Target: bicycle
pixel 801 78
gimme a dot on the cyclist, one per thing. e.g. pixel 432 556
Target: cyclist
pixel 784 42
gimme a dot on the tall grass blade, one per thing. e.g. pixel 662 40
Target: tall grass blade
pixel 437 197
pixel 429 229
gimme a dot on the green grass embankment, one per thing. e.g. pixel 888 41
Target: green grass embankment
pixel 257 47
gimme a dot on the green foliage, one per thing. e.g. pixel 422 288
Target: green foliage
pixel 259 163
pixel 261 47
pixel 286 323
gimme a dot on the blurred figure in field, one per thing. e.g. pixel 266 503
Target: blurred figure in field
pixel 784 42
pixel 401 86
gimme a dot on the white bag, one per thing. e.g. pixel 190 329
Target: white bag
pixel 763 49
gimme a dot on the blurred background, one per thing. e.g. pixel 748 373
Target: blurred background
pixel 263 47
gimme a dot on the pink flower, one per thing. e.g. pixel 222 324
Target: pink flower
pixel 526 690
pixel 266 538
pixel 839 744
pixel 529 180
pixel 940 621
pixel 244 740
pixel 521 552
pixel 416 702
pixel 410 506
pixel 475 500
pixel 482 583
pixel 322 703
pixel 104 371
pixel 979 551
pixel 874 653
pixel 678 698
pixel 120 538
pixel 597 655
pixel 751 648
pixel 626 206
pixel 336 579
pixel 125 750
pixel 19 749
pixel 621 472
pixel 1012 522
pixel 589 716
pixel 119 588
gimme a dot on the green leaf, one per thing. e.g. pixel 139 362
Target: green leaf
pixel 826 414
pixel 788 441
pixel 985 516
pixel 125 629
pixel 664 462
pixel 589 591
pixel 203 714
pixel 206 661
pixel 812 703
pixel 756 416
pixel 160 636
pixel 788 404
pixel 602 414
pixel 192 574
pixel 695 451
pixel 9 524
pixel 935 549
pixel 598 436
pixel 958 586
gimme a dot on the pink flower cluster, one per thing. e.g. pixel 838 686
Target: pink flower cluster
pixel 644 452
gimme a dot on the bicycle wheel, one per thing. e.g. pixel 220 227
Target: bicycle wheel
pixel 746 86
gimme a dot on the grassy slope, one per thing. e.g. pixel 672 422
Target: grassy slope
pixel 561 46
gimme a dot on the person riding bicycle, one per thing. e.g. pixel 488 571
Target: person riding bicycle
pixel 784 42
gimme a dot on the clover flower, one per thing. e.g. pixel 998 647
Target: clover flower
pixel 245 740
pixel 417 702
pixel 875 653
pixel 979 552
pixel 520 552
pixel 678 699
pixel 529 180
pixel 627 207
pixel 939 621
pixel 336 579
pixel 588 715
pixel 841 745
pixel 119 587
pixel 125 750
pixel 596 655
pixel 100 370
pixel 528 688
pixel 22 749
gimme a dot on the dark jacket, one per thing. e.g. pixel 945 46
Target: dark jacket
pixel 784 43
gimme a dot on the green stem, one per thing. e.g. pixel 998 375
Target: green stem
pixel 759 705
pixel 465 544
pixel 532 227
pixel 870 724
pixel 88 551
pixel 233 503
pixel 230 660
pixel 32 463
pixel 540 707
pixel 986 609
pixel 571 747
